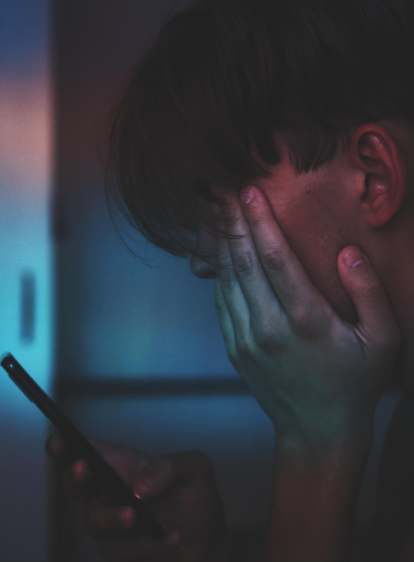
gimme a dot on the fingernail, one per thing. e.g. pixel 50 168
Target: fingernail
pixel 247 195
pixel 354 258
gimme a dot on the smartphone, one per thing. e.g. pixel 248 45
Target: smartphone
pixel 146 520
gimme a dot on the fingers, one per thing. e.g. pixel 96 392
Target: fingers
pixel 57 448
pixel 106 525
pixel 105 522
pixel 77 477
pixel 101 520
pixel 377 324
pixel 192 469
pixel 231 295
pixel 286 275
pixel 136 548
pixel 273 282
pixel 79 483
pixel 224 318
pixel 241 270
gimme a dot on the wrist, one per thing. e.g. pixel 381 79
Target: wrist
pixel 338 438
pixel 315 490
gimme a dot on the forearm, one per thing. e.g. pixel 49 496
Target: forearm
pixel 313 504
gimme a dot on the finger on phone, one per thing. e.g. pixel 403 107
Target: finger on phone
pixel 136 547
pixel 100 520
pixel 79 482
pixel 59 449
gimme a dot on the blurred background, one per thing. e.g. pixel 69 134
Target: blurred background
pixel 132 354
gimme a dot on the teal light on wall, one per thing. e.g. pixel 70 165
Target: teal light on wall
pixel 25 185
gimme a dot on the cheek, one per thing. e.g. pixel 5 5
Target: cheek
pixel 317 238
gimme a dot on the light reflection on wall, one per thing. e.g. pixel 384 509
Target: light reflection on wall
pixel 25 185
pixel 25 270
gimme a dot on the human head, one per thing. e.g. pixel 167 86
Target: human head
pixel 224 78
pixel 223 75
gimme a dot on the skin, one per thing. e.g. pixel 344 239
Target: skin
pixel 183 495
pixel 317 377
pixel 330 315
pixel 364 197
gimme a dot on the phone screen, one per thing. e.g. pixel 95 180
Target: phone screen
pixel 147 522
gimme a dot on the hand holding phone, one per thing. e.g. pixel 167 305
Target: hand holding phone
pixel 179 489
pixel 109 522
pixel 101 470
pixel 183 493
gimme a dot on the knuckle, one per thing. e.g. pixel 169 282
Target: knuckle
pixel 255 216
pixel 301 320
pixel 371 291
pixel 274 260
pixel 227 278
pixel 220 306
pixel 269 338
pixel 243 346
pixel 243 263
pixel 305 323
pixel 232 355
pixel 224 262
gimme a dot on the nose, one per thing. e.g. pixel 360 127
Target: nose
pixel 207 245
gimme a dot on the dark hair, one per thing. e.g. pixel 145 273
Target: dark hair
pixel 223 74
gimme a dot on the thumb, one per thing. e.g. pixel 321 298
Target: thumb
pixel 377 324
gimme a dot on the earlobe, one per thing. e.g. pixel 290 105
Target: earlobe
pixel 385 167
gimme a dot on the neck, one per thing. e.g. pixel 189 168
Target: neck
pixel 398 278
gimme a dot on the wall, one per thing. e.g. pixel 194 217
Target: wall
pixel 26 271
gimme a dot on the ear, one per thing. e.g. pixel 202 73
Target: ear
pixel 379 156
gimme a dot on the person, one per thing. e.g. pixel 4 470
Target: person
pixel 272 142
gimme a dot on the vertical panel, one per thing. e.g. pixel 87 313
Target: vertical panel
pixel 25 270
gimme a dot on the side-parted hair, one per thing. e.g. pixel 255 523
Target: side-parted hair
pixel 223 74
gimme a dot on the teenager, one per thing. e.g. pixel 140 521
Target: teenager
pixel 272 143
